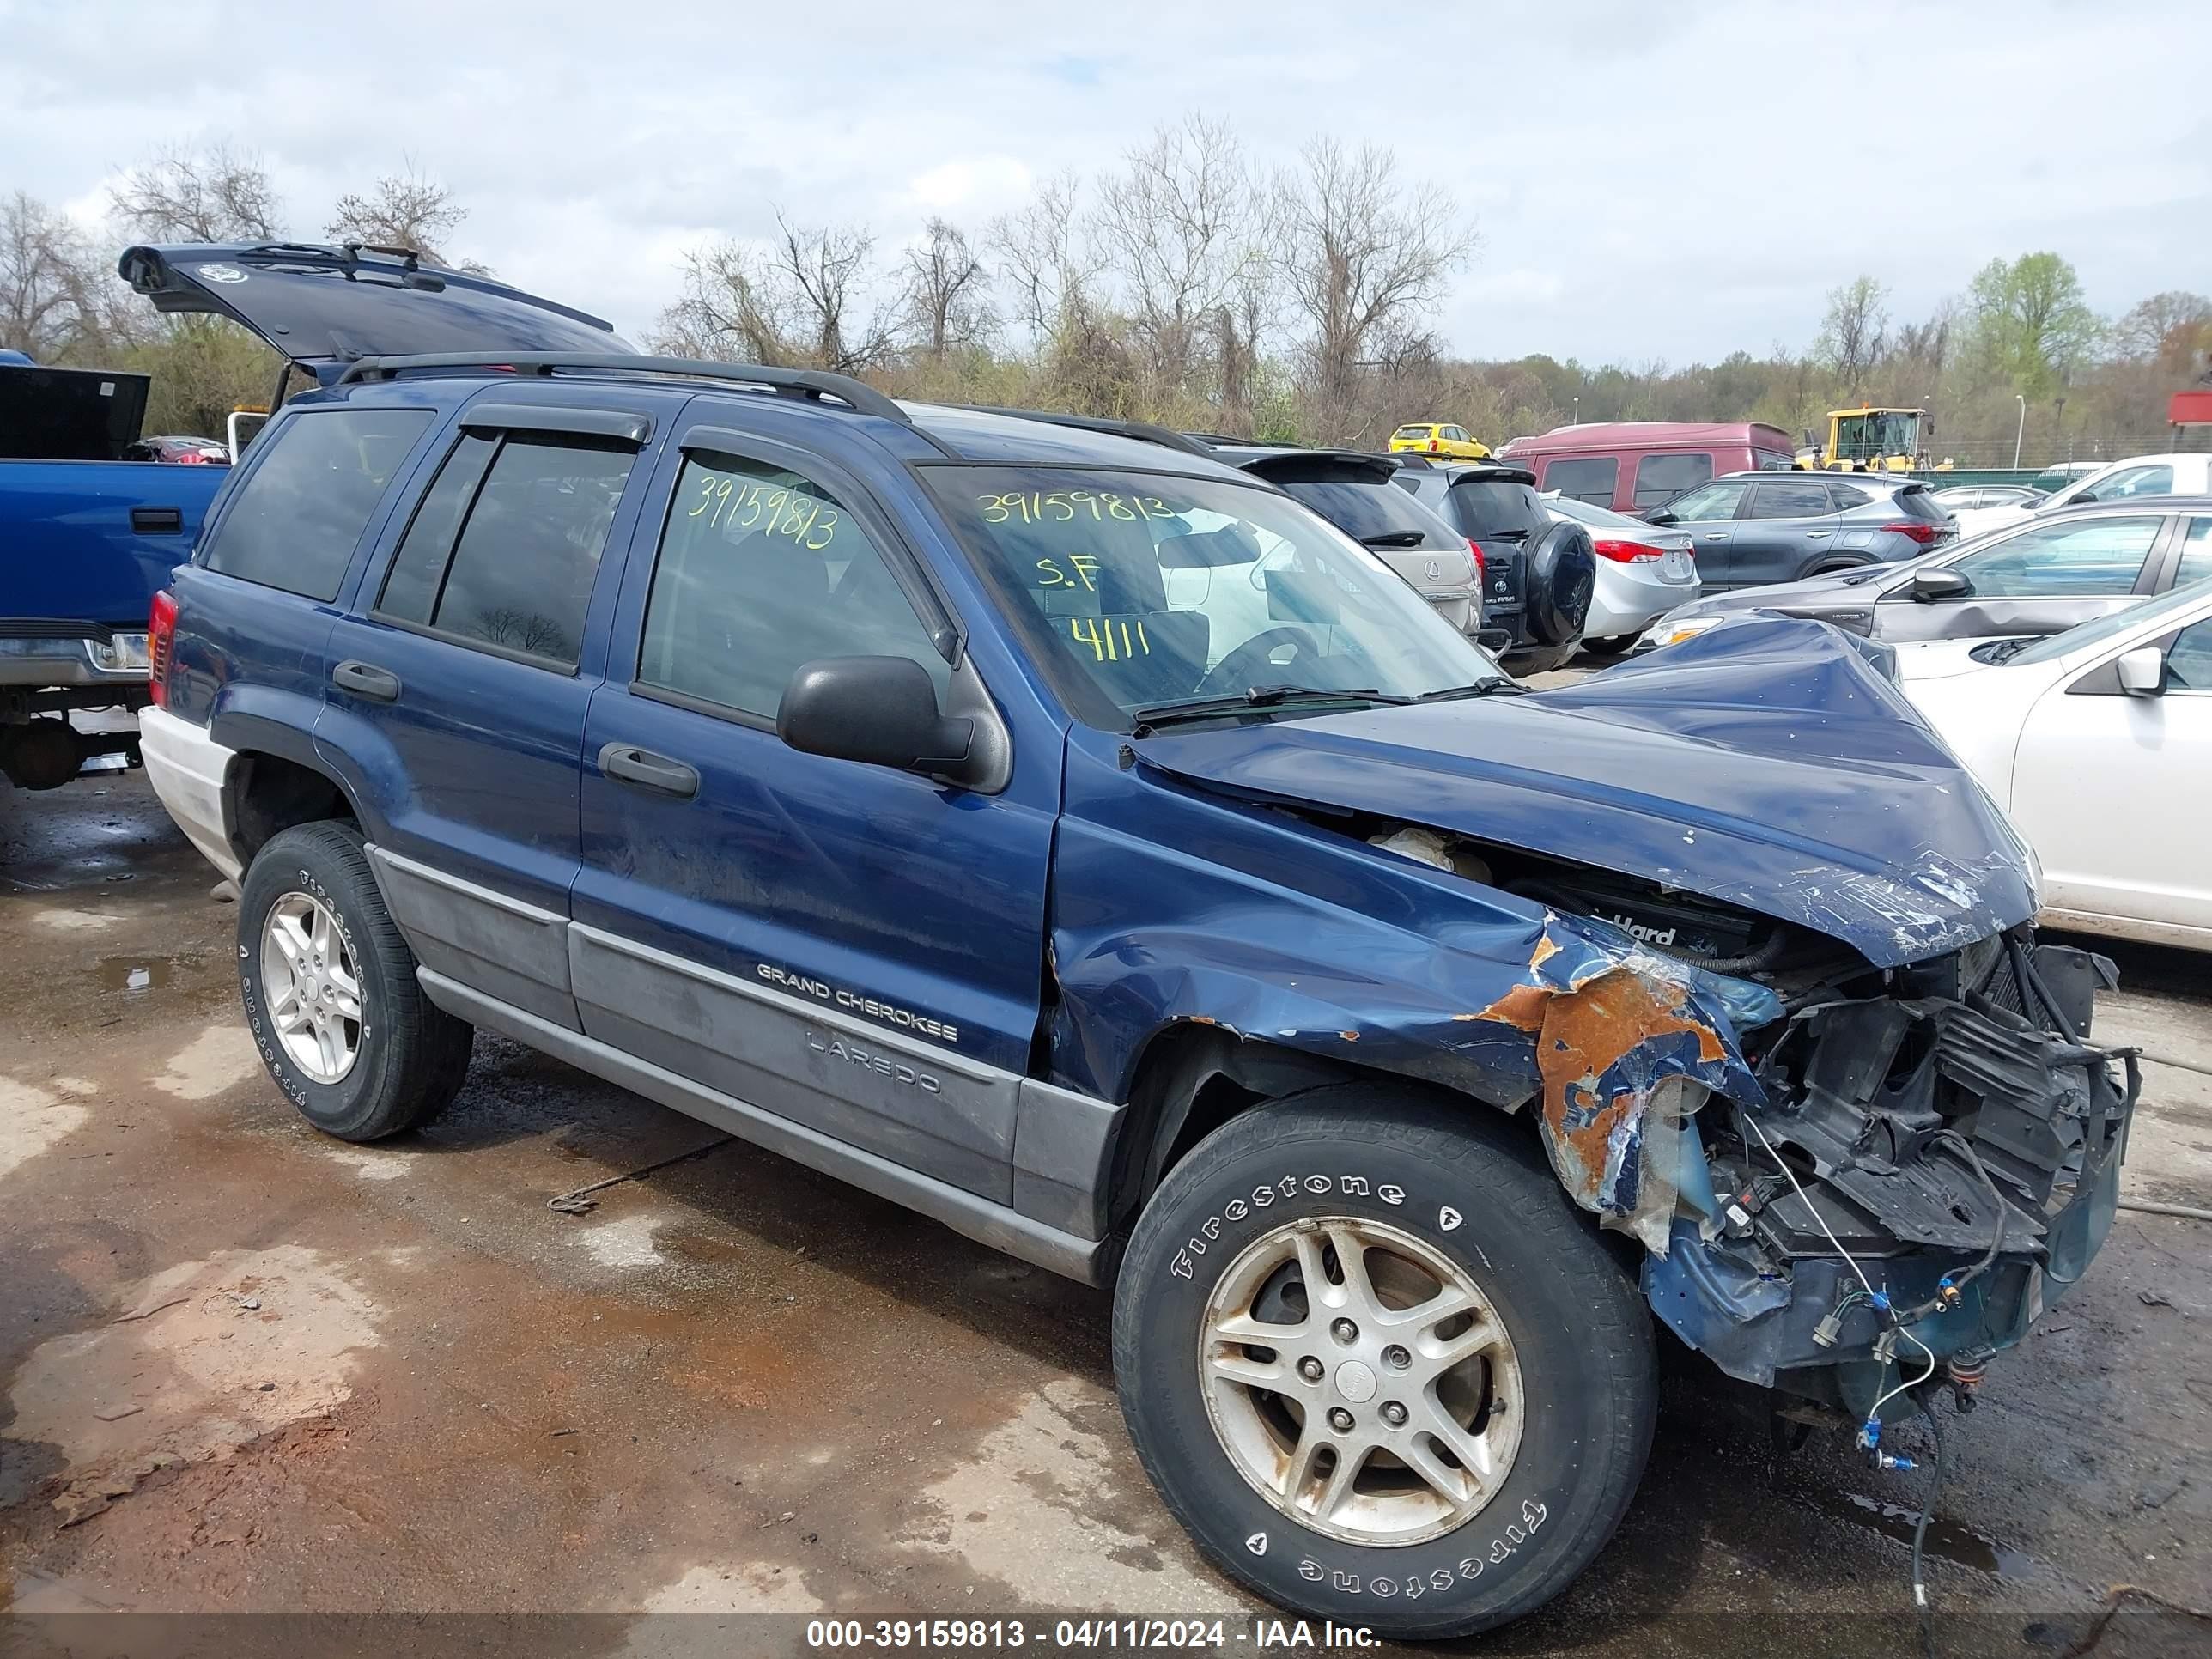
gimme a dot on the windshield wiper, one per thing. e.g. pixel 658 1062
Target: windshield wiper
pixel 1260 696
pixel 1394 539
pixel 1497 686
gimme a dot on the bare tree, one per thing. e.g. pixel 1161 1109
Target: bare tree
pixel 731 309
pixel 48 292
pixel 1181 227
pixel 1855 329
pixel 827 270
pixel 946 291
pixel 2169 328
pixel 1361 261
pixel 1043 260
pixel 409 210
pixel 794 304
pixel 218 195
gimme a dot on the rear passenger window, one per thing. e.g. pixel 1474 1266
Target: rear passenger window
pixel 2196 554
pixel 298 517
pixel 1590 480
pixel 532 512
pixel 762 571
pixel 1790 501
pixel 1661 477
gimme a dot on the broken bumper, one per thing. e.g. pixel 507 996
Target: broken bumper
pixel 1875 1105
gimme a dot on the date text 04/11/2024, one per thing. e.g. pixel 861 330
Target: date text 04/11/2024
pixel 1088 1634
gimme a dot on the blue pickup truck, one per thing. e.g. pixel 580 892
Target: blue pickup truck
pixel 1081 841
pixel 87 538
pixel 89 533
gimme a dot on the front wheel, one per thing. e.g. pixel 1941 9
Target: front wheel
pixel 1379 1367
pixel 1612 647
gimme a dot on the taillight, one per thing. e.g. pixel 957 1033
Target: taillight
pixel 1475 548
pixel 1923 535
pixel 1627 552
pixel 160 630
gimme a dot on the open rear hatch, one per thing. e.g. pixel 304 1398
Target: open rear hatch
pixel 325 307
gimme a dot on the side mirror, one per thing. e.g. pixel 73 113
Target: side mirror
pixel 881 711
pixel 2082 498
pixel 1662 517
pixel 2142 672
pixel 1932 587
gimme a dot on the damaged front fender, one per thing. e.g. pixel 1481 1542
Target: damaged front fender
pixel 1628 1045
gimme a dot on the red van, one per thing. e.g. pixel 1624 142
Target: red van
pixel 1632 466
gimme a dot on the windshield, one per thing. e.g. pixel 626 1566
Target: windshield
pixel 2103 628
pixel 1133 591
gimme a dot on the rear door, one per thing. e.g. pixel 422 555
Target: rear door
pixel 858 949
pixel 458 683
pixel 1787 524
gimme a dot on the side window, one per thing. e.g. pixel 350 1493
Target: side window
pixel 1794 500
pixel 2099 558
pixel 1847 496
pixel 761 571
pixel 1701 506
pixel 1588 480
pixel 532 512
pixel 2188 659
pixel 1659 477
pixel 2133 481
pixel 2196 554
pixel 418 569
pixel 296 519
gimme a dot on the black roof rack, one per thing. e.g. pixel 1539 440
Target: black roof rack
pixel 1143 431
pixel 814 383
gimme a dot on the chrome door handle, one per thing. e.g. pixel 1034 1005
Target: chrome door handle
pixel 1816 535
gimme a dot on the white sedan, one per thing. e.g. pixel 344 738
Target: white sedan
pixel 2098 741
pixel 2138 475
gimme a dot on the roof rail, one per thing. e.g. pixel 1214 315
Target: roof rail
pixel 1143 431
pixel 815 383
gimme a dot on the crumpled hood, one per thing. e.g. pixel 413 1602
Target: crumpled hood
pixel 1764 763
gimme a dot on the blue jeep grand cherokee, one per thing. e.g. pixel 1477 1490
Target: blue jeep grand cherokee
pixel 1080 841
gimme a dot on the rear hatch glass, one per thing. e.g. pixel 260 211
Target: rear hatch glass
pixel 1492 510
pixel 1366 510
pixel 1918 502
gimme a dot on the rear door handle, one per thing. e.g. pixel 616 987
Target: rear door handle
pixel 1819 535
pixel 367 680
pixel 643 769
pixel 157 521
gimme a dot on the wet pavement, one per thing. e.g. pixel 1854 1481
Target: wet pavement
pixel 245 1369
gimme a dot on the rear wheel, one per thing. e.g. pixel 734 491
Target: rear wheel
pixel 330 991
pixel 1379 1366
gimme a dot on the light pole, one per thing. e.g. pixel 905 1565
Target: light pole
pixel 2022 433
pixel 1578 415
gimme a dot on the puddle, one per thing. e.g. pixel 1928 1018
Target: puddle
pixel 1947 1540
pixel 145 973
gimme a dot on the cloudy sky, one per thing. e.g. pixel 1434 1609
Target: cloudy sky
pixel 1648 180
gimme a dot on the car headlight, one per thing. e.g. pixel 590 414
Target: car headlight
pixel 1671 630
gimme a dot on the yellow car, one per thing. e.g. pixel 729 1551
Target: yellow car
pixel 1431 438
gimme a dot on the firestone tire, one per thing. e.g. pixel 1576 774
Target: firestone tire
pixel 407 1057
pixel 1465 1190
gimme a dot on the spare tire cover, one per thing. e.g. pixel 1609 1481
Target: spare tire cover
pixel 1562 573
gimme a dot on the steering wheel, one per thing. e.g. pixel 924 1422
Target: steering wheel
pixel 1252 662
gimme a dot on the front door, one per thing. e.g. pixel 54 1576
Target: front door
pixel 458 685
pixel 2040 579
pixel 1709 513
pixel 2113 791
pixel 855 948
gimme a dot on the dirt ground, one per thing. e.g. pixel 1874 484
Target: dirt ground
pixel 247 1369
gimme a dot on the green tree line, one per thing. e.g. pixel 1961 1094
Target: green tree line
pixel 1188 285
